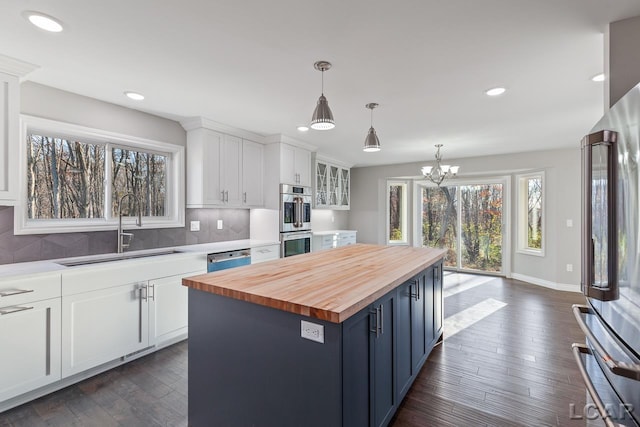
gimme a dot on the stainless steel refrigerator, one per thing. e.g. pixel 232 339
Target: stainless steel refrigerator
pixel 609 360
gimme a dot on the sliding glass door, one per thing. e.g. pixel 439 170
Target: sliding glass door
pixel 467 220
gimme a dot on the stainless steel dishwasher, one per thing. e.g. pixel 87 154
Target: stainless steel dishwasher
pixel 230 259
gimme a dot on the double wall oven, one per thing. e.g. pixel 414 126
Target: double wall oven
pixel 295 220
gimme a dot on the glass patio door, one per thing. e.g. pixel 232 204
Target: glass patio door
pixel 467 220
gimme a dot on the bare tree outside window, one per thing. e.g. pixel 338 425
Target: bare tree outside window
pixel 65 178
pixel 534 213
pixel 142 174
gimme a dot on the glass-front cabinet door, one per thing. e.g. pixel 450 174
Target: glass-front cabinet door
pixel 332 186
pixel 345 184
pixel 321 184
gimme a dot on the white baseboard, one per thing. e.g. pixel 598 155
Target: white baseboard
pixel 547 284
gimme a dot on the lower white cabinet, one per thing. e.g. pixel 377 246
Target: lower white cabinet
pixel 168 308
pixel 103 325
pixel 29 346
pixel 333 239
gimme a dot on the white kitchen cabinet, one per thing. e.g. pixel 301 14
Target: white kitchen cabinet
pixel 223 170
pixel 333 239
pixel 332 185
pixel 265 253
pixel 103 325
pixel 9 139
pixel 252 174
pixel 29 333
pixel 295 165
pixel 168 308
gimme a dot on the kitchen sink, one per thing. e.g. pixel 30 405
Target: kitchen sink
pixel 114 257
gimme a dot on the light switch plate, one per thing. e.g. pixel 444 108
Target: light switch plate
pixel 569 223
pixel 219 224
pixel 312 331
pixel 194 226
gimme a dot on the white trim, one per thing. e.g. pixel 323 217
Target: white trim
pixel 522 215
pixel 546 283
pixel 175 196
pixel 15 66
pixel 274 139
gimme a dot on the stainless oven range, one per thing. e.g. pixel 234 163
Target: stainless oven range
pixel 295 220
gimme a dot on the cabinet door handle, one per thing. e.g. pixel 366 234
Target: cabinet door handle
pixel 244 197
pixel 375 329
pixel 415 295
pixel 14 309
pixel 152 293
pixel 222 195
pixel 10 292
pixel 381 319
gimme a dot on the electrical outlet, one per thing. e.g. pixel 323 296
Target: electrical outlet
pixel 569 267
pixel 569 223
pixel 219 224
pixel 194 226
pixel 312 331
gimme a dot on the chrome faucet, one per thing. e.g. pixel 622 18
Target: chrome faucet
pixel 121 235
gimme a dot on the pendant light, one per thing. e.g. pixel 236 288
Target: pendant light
pixel 322 118
pixel 371 142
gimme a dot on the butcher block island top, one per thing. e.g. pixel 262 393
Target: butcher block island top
pixel 330 285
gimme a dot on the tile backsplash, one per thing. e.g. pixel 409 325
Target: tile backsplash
pixel 36 247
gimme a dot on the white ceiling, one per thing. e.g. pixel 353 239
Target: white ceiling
pixel 249 64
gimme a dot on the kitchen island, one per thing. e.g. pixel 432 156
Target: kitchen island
pixel 332 338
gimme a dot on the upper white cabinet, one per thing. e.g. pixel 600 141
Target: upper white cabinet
pixel 223 170
pixel 295 165
pixel 9 117
pixel 11 70
pixel 332 185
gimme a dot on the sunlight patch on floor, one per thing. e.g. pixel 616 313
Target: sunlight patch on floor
pixel 469 316
pixel 456 283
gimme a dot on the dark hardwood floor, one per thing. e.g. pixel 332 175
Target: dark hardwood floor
pixel 506 361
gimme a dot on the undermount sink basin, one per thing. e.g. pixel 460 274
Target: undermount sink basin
pixel 115 257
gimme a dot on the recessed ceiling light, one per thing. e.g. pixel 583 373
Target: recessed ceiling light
pixel 43 21
pixel 303 128
pixel 598 77
pixel 135 96
pixel 496 91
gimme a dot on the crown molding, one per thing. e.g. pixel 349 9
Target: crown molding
pixel 273 139
pixel 15 66
pixel 193 123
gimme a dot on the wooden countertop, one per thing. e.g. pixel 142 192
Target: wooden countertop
pixel 331 285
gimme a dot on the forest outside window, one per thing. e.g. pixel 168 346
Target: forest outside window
pixel 531 233
pixel 75 179
pixel 397 213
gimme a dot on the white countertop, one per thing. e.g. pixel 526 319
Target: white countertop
pixel 35 267
pixel 330 232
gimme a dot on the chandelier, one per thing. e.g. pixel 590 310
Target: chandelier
pixel 440 172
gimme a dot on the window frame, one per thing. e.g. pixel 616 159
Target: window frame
pixel 404 218
pixel 522 198
pixel 175 175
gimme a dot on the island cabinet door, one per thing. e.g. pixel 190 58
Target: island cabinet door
pixel 369 384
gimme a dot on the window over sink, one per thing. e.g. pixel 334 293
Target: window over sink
pixel 75 177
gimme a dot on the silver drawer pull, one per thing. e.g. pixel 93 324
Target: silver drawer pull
pixel 10 292
pixel 627 370
pixel 14 309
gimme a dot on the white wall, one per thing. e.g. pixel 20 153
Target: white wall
pixel 55 104
pixel 327 219
pixel 562 186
